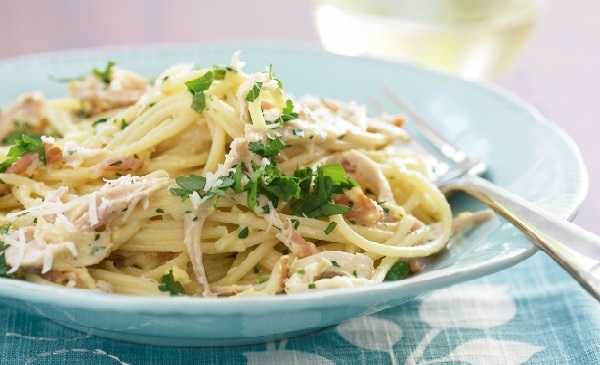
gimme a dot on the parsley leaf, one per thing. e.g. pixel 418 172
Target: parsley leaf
pixel 269 149
pixel 99 121
pixel 400 270
pixel 197 87
pixel 287 114
pixel 254 92
pixel 243 233
pixel 186 185
pixel 106 74
pixel 330 227
pixel 23 145
pixel 237 178
pixel 219 72
pixel 284 187
pixel 169 284
pixel 315 200
pixel 4 267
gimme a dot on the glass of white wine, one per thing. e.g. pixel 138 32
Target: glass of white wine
pixel 477 39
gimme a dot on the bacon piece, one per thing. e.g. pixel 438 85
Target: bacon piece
pixel 23 163
pixel 300 247
pixel 364 211
pixel 53 153
pixel 122 164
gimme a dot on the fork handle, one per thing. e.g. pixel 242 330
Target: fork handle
pixel 575 249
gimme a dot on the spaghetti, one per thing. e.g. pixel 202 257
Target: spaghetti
pixel 210 182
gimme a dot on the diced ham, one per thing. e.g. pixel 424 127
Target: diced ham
pixel 53 153
pixel 22 164
pixel 364 210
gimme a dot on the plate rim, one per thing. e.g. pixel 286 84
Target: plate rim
pixel 184 305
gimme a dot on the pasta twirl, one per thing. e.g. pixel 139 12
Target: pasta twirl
pixel 210 182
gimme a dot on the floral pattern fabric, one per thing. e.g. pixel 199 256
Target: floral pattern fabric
pixel 530 314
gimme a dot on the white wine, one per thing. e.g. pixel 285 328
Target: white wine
pixel 473 38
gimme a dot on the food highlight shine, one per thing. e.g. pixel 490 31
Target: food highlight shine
pixel 211 182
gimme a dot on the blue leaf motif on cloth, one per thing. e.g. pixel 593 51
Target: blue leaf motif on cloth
pixel 274 355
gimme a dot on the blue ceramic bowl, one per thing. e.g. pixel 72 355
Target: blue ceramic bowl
pixel 526 154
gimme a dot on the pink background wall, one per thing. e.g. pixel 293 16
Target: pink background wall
pixel 559 72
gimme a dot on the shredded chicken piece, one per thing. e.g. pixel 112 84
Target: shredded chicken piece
pixel 330 269
pixel 124 89
pixel 29 108
pixel 365 171
pixel 192 226
pixel 347 262
pixel 123 164
pixel 101 206
pixel 466 220
pixel 28 249
pixel 289 236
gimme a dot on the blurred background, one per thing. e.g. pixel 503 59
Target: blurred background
pixel 544 51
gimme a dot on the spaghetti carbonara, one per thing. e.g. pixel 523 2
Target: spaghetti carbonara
pixel 210 182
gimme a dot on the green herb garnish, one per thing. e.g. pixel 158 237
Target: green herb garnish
pixel 4 267
pixel 106 74
pixel 243 233
pixel 169 284
pixel 24 145
pixel 254 92
pixel 330 227
pixel 400 270
pixel 99 121
pixel 269 149
pixel 197 87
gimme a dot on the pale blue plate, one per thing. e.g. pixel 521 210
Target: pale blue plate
pixel 526 154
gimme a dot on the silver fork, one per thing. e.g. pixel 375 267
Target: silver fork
pixel 575 249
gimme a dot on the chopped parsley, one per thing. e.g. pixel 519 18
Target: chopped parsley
pixel 317 191
pixel 269 149
pixel 330 227
pixel 243 233
pixel 186 185
pixel 160 210
pixel 312 286
pixel 124 124
pixel 99 121
pixel 106 74
pixel 23 145
pixel 4 267
pixel 97 237
pixel 295 223
pixel 169 284
pixel 301 271
pixel 254 92
pixel 197 87
pixel 400 270
pixel 335 263
pixel 287 114
pixel 261 279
